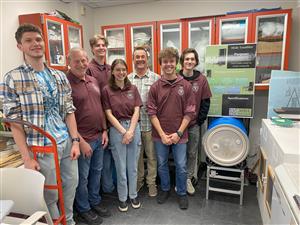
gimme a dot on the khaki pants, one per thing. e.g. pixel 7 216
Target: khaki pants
pixel 192 150
pixel 147 147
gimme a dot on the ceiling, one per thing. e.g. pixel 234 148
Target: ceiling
pixel 107 3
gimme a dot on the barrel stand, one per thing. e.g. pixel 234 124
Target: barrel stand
pixel 212 173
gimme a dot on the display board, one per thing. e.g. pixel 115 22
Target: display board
pixel 230 70
pixel 284 91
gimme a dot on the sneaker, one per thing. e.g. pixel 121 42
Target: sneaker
pixel 123 207
pixel 162 197
pixel 90 217
pixel 135 203
pixel 139 186
pixel 152 190
pixel 189 187
pixel 101 211
pixel 183 202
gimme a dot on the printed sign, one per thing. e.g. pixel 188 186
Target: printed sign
pixel 230 71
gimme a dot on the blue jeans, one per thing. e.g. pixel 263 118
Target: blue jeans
pixel 69 177
pixel 126 160
pixel 179 154
pixel 107 171
pixel 87 193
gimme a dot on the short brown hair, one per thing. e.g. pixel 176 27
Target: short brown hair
pixel 143 48
pixel 96 38
pixel 168 53
pixel 186 51
pixel 26 27
pixel 111 81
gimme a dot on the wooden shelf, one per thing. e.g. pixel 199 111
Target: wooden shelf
pixel 269 67
pixel 261 86
pixel 269 53
pixel 233 41
pixel 271 39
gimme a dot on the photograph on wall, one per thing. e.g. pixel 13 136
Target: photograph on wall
pixel 284 94
pixel 230 71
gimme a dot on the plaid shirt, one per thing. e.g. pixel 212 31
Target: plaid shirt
pixel 23 99
pixel 143 85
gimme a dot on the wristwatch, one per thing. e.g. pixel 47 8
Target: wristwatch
pixel 76 139
pixel 179 133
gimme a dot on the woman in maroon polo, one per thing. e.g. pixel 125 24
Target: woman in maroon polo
pixel 122 102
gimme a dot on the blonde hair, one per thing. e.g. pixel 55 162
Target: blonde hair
pixel 96 38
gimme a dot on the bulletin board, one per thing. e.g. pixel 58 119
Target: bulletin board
pixel 230 71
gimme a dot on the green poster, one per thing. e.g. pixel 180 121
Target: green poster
pixel 230 70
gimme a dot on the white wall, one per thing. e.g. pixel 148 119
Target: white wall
pixel 10 56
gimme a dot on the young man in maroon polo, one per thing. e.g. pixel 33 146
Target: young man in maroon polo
pixel 92 130
pixel 99 69
pixel 189 60
pixel 171 106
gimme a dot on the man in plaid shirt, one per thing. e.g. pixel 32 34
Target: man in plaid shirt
pixel 143 78
pixel 40 95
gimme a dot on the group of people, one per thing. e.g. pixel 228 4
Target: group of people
pixel 102 116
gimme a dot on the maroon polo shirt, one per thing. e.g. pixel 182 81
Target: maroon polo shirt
pixel 122 101
pixel 170 102
pixel 100 72
pixel 87 100
pixel 200 89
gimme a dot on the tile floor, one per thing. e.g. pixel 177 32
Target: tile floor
pixel 219 209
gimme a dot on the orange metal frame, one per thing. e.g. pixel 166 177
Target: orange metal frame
pixel 46 149
pixel 126 36
pixel 215 32
pixel 287 12
pixel 185 29
pixel 69 24
pixel 235 17
pixel 40 20
pixel 159 23
pixel 60 21
pixel 154 43
pixel 128 46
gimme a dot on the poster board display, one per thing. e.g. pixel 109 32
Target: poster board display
pixel 230 71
